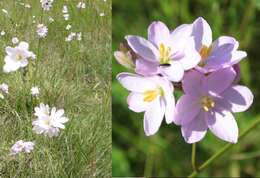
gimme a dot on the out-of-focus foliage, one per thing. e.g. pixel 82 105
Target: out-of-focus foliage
pixel 166 153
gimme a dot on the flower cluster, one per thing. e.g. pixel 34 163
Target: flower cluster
pixel 21 146
pixel 185 58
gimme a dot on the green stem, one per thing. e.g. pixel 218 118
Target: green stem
pixel 193 157
pixel 223 150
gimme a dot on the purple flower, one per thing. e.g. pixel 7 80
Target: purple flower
pixel 208 102
pixel 222 53
pixel 167 53
pixel 152 95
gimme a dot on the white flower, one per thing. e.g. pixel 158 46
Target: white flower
pixel 66 16
pixel 102 14
pixel 79 36
pixel 65 9
pixel 49 121
pixel 51 19
pixel 21 146
pixel 4 88
pixel 68 27
pixel 46 4
pixel 27 6
pixel 2 33
pixel 81 5
pixel 4 11
pixel 15 40
pixel 71 36
pixel 17 57
pixel 35 91
pixel 42 30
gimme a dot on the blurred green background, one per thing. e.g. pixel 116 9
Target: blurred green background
pixel 166 153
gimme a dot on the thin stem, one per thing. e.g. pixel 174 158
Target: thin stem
pixel 193 157
pixel 224 149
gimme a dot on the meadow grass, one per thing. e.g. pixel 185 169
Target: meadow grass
pixel 71 75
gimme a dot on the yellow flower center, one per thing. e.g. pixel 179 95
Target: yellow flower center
pixel 150 95
pixel 204 53
pixel 164 54
pixel 18 57
pixel 207 103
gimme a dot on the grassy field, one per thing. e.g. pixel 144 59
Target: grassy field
pixel 71 75
pixel 166 154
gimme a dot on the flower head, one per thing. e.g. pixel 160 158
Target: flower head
pixel 208 103
pixel 21 146
pixel 152 95
pixel 215 55
pixel 49 120
pixel 15 40
pixel 35 91
pixel 42 30
pixel 46 4
pixel 81 5
pixel 17 57
pixel 166 53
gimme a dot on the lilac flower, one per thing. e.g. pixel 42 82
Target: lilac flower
pixel 152 95
pixel 167 53
pixel 208 102
pixel 221 53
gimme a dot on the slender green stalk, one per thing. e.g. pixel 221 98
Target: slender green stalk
pixel 223 150
pixel 193 157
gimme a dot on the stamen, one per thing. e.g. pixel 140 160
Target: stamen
pixel 204 53
pixel 164 54
pixel 207 103
pixel 150 95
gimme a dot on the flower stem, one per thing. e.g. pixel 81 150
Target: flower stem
pixel 193 157
pixel 224 149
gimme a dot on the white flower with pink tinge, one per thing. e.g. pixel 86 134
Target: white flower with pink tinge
pixel 22 146
pixel 151 95
pixel 42 30
pixel 49 120
pixel 17 57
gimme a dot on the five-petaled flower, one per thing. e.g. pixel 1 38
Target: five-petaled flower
pixel 167 53
pixel 215 55
pixel 152 95
pixel 207 104
pixel 17 57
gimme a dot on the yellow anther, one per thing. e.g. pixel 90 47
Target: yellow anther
pixel 207 103
pixel 164 53
pixel 204 53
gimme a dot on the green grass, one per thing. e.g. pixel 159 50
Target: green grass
pixel 166 154
pixel 74 76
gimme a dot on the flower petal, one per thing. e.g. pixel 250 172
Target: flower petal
pixel 237 98
pixel 158 33
pixel 223 125
pixel 136 102
pixel 179 36
pixel 202 33
pixel 191 56
pixel 187 108
pixel 192 83
pixel 153 117
pixel 143 47
pixel 145 67
pixel 221 54
pixel 135 83
pixel 174 72
pixel 195 130
pixel 220 80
